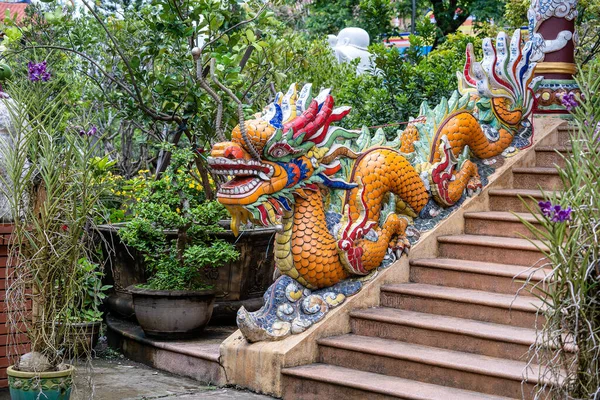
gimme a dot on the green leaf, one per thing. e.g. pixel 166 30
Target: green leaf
pixel 250 35
pixel 216 22
pixel 135 62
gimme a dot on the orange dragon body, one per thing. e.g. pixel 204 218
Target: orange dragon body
pixel 343 200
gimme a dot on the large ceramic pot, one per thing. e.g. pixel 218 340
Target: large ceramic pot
pixel 241 282
pixel 172 314
pixel 54 385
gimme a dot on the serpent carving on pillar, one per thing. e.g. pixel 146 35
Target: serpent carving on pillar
pixel 345 201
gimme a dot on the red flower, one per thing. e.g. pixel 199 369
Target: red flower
pixel 64 228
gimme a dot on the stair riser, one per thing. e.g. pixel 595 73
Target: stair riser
pixel 512 203
pixel 549 159
pixel 466 280
pixel 306 389
pixel 499 255
pixel 435 374
pixel 536 181
pixel 449 308
pixel 564 137
pixel 516 229
pixel 441 339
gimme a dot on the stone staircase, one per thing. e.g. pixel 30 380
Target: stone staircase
pixel 456 330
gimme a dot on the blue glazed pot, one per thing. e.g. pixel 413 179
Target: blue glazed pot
pixel 53 385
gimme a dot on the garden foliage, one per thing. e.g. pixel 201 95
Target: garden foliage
pixel 568 345
pixel 54 194
pixel 175 228
pixel 395 94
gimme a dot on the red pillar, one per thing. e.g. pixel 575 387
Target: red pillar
pixel 552 30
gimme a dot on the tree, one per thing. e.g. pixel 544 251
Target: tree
pixel 588 29
pixel 140 70
pixel 325 17
pixel 375 16
pixel 329 17
pixel 451 14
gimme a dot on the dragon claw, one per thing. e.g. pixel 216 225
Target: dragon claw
pixel 400 246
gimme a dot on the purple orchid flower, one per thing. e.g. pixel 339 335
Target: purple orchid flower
pixel 555 212
pixel 569 101
pixel 562 215
pixel 38 72
pixel 91 132
pixel 545 208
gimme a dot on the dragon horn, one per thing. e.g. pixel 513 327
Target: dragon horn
pixel 249 144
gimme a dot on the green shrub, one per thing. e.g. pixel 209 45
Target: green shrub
pixel 174 228
pixel 394 94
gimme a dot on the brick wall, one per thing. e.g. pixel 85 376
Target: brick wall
pixel 5 231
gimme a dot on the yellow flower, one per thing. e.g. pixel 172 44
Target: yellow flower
pixel 178 210
pixel 191 185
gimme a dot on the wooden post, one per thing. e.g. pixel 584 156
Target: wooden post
pixel 552 31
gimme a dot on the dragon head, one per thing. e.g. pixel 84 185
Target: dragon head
pixel 287 149
pixel 503 81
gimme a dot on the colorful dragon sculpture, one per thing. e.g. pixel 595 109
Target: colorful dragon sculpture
pixel 343 200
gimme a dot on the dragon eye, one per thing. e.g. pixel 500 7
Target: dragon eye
pixel 279 150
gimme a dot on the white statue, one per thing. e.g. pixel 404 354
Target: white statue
pixel 350 44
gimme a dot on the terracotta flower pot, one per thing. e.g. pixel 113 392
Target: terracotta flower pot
pixel 54 385
pixel 172 314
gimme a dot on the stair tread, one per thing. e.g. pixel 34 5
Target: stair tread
pixel 383 384
pixel 559 148
pixel 481 267
pixel 525 193
pixel 501 216
pixel 535 170
pixel 434 356
pixel 480 297
pixel 436 322
pixel 494 241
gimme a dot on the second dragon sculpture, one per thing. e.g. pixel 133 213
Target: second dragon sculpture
pixel 344 200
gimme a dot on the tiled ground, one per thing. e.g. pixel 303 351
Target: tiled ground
pixel 121 379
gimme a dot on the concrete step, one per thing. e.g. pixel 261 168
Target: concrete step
pixel 513 199
pixel 431 365
pixel 491 277
pixel 564 134
pixel 551 156
pixel 492 249
pixel 195 358
pixel 321 381
pixel 452 333
pixel 478 305
pixel 545 178
pixel 499 223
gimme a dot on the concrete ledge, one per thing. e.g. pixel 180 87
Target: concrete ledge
pixel 258 366
pixel 197 359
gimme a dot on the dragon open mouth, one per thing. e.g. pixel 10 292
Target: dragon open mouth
pixel 246 175
pixel 240 186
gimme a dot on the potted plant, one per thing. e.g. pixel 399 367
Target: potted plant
pixel 48 179
pixel 238 282
pixel 174 230
pixel 87 317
